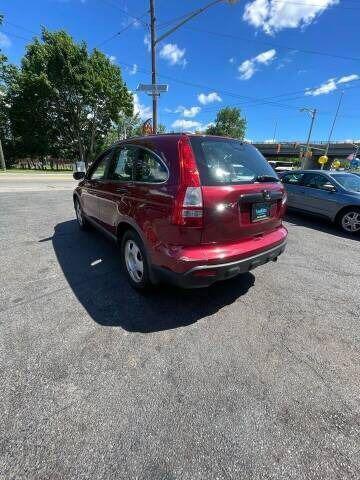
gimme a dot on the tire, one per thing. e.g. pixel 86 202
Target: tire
pixel 134 261
pixel 81 220
pixel 349 220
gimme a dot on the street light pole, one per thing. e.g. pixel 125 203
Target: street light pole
pixel 154 41
pixel 333 124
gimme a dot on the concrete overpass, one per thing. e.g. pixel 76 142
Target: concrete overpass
pixel 278 150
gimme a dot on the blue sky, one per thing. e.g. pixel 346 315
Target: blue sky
pixel 258 55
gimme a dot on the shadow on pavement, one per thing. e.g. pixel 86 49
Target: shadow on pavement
pixel 316 223
pixel 92 268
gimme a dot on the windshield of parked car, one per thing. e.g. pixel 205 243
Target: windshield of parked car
pixel 348 181
pixel 227 162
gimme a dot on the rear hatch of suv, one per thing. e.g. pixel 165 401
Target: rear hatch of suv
pixel 242 195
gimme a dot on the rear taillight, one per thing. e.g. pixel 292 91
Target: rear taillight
pixel 188 207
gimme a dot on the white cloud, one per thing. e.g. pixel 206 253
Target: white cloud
pixel 248 67
pixel 191 112
pixel 147 42
pixel 323 89
pixel 275 15
pixel 185 124
pixel 4 40
pixel 173 54
pixel 112 58
pixel 348 78
pixel 210 98
pixel 133 70
pixel 331 85
pixel 188 112
pixel 232 60
pixel 265 57
pixel 143 111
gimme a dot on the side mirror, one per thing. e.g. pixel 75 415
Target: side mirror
pixel 78 175
pixel 329 187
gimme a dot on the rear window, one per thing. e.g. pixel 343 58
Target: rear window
pixel 229 162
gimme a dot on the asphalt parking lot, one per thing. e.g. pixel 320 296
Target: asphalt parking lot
pixel 256 378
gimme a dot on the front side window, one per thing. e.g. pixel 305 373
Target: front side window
pixel 348 181
pixel 227 162
pixel 100 170
pixel 122 166
pixel 292 178
pixel 315 180
pixel 149 168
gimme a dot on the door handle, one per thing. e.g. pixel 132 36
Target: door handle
pixel 120 190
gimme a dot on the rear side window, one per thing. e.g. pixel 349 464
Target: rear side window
pixel 122 166
pixel 228 162
pixel 149 168
pixel 315 180
pixel 293 178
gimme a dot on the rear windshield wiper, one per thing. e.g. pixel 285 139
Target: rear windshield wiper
pixel 266 178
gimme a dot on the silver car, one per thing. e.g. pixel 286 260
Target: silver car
pixel 335 195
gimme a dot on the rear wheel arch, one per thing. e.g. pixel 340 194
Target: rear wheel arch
pixel 121 230
pixel 345 209
pixel 124 226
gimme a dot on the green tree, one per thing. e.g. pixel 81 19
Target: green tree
pixel 7 73
pixel 228 123
pixel 127 127
pixel 65 99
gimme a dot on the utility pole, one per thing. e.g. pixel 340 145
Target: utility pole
pixel 312 113
pixel 2 159
pixel 333 124
pixel 275 129
pixel 153 63
pixel 154 41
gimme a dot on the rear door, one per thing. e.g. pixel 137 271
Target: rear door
pixel 151 197
pixel 94 184
pixel 241 192
pixel 115 198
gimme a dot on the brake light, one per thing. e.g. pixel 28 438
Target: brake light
pixel 188 207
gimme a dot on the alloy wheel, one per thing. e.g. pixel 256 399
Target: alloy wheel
pixel 351 222
pixel 134 261
pixel 79 214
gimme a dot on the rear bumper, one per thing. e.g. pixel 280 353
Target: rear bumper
pixel 206 275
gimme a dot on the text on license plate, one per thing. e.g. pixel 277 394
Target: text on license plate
pixel 260 211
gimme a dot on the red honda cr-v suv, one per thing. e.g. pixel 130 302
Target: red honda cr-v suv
pixel 189 209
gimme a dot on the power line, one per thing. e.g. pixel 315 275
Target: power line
pixel 125 12
pixel 169 22
pixel 342 7
pixel 16 36
pixel 20 27
pixel 120 31
pixel 271 44
pixel 258 101
pixel 209 88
